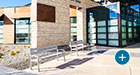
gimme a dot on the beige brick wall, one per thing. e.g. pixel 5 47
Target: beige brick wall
pixel 59 32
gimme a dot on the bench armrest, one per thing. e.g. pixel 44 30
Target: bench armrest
pixel 34 56
pixel 86 44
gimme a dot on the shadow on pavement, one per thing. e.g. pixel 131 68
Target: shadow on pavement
pixel 97 52
pixel 74 62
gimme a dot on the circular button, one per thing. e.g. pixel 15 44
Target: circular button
pixel 122 57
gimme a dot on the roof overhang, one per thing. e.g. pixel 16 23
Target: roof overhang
pixel 21 15
pixel 129 2
pixel 1 14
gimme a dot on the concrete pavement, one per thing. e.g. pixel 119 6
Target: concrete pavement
pixel 90 63
pixel 9 71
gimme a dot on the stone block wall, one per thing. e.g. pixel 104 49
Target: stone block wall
pixel 58 32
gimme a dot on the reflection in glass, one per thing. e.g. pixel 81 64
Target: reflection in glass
pixel 1 23
pixel 130 29
pixel 113 36
pixel 123 35
pixel 129 23
pixel 113 15
pixel 113 7
pixel 123 22
pixel 123 29
pixel 124 42
pixel 135 30
pixel 113 29
pixel 103 42
pixel 73 20
pixel 91 24
pixel 130 35
pixel 101 23
pixel 113 22
pixel 102 29
pixel 101 36
pixel 135 35
pixel 113 43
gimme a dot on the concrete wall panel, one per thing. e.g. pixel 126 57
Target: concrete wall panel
pixel 8 34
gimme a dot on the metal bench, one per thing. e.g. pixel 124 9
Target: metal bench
pixel 77 45
pixel 34 54
pixel 73 46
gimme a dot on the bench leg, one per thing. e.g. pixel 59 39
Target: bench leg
pixel 64 57
pixel 77 52
pixel 71 52
pixel 57 58
pixel 38 65
pixel 30 64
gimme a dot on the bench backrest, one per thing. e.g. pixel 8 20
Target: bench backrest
pixel 73 43
pixel 80 42
pixel 34 51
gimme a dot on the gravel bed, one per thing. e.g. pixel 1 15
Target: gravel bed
pixel 19 61
pixel 8 59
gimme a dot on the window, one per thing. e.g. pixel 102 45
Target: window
pixel 73 20
pixel 103 42
pixel 129 23
pixel 1 33
pixel 102 29
pixel 91 16
pixel 113 22
pixel 113 11
pixel 1 23
pixel 101 23
pixel 92 36
pixel 123 29
pixel 91 24
pixel 113 7
pixel 123 35
pixel 124 42
pixel 123 22
pixel 113 15
pixel 130 35
pixel 91 28
pixel 101 36
pixel 23 30
pixel 113 36
pixel 113 43
pixel 113 29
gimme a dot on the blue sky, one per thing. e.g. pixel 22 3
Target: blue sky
pixel 135 7
pixel 8 3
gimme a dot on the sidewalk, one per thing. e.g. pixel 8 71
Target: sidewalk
pixel 9 71
pixel 91 64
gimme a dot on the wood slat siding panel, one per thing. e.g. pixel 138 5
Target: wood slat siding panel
pixel 45 13
pixel 7 20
